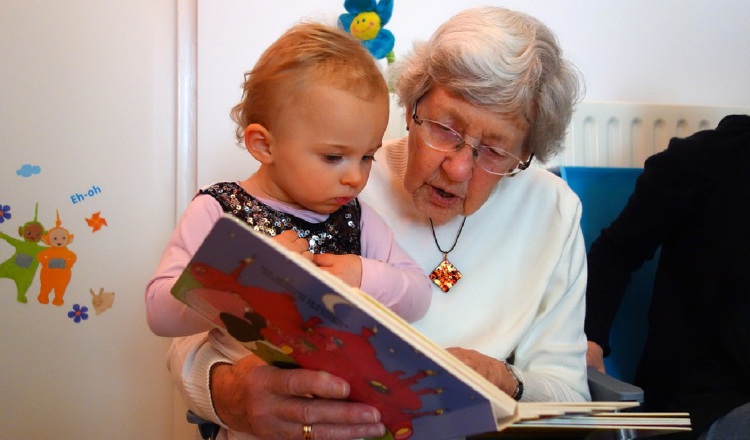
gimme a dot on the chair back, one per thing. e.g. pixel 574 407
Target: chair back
pixel 603 193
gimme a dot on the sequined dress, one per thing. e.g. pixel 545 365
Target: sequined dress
pixel 338 234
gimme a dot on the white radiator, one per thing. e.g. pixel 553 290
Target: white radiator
pixel 624 134
pixel 616 134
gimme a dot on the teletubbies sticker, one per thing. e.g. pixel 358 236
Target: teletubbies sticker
pixel 39 250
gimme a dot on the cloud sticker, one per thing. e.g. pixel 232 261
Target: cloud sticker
pixel 28 170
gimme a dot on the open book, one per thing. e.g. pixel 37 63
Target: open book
pixel 292 314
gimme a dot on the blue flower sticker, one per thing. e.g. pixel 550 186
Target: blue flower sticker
pixel 4 213
pixel 365 20
pixel 78 313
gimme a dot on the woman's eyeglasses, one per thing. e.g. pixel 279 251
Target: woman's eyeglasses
pixel 494 160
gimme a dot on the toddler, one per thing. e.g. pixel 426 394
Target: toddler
pixel 313 113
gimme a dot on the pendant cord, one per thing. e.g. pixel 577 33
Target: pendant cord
pixel 445 253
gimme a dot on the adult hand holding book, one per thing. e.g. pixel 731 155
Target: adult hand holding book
pixel 283 395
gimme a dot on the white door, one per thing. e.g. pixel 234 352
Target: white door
pixel 87 132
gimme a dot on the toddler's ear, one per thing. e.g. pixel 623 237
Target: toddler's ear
pixel 258 143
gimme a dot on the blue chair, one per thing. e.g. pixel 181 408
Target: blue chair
pixel 604 192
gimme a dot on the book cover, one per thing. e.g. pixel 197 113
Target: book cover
pixel 290 313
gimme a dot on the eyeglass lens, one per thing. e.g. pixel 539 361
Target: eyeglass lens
pixel 492 159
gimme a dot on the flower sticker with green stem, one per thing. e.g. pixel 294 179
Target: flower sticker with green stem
pixel 78 313
pixel 365 20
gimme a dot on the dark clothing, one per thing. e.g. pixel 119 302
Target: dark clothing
pixel 339 234
pixel 693 199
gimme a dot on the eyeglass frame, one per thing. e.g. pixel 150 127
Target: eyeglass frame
pixel 476 149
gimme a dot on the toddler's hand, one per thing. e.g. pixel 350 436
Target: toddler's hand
pixel 347 267
pixel 290 240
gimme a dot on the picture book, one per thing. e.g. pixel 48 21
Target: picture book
pixel 292 314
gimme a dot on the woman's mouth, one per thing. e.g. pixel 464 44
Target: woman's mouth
pixel 442 197
pixel 443 193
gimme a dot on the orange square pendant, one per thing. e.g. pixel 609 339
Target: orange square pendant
pixel 445 275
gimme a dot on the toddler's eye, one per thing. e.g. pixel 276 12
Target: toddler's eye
pixel 331 158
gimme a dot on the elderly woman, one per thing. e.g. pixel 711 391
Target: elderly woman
pixel 487 93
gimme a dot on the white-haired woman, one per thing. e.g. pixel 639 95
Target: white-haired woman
pixel 484 96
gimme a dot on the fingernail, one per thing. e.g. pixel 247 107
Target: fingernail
pixel 371 416
pixel 373 431
pixel 342 389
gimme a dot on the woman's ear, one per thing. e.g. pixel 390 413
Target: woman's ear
pixel 258 142
pixel 407 116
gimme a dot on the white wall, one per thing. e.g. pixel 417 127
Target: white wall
pixel 87 92
pixel 666 51
pixel 692 52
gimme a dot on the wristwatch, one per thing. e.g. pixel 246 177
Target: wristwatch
pixel 518 393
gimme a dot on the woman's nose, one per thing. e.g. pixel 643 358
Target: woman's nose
pixel 459 165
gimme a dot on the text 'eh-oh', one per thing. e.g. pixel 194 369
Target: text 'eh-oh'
pixel 78 197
